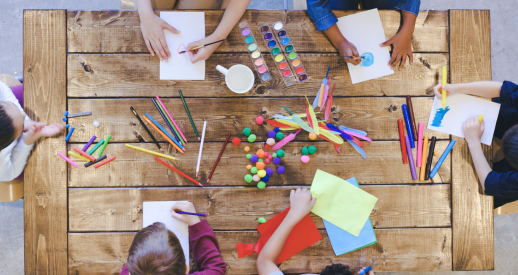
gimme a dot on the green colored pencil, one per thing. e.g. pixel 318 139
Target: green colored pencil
pixel 96 147
pixel 170 123
pixel 104 145
pixel 189 114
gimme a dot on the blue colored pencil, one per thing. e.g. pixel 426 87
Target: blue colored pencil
pixel 189 213
pixel 165 132
pixel 89 143
pixel 408 126
pixel 69 134
pixel 443 157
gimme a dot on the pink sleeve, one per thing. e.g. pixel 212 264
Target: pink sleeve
pixel 205 249
pixel 125 270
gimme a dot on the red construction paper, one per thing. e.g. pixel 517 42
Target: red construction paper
pixel 249 249
pixel 240 250
pixel 303 235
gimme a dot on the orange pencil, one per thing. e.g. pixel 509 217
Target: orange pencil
pixel 104 162
pixel 162 134
pixel 84 154
pixel 178 171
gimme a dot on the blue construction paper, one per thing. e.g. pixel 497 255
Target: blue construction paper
pixel 345 242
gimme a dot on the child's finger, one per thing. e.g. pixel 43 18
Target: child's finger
pixel 402 62
pixel 164 46
pixel 170 28
pixel 411 56
pixel 386 43
pixel 156 49
pixel 149 48
pixel 482 126
pixel 313 200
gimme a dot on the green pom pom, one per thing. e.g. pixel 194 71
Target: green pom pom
pixel 247 131
pixel 260 160
pixel 248 178
pixel 254 170
pixel 251 138
pixel 312 149
pixel 279 135
pixel 248 156
pixel 261 220
pixel 274 155
pixel 305 150
pixel 280 153
pixel 261 185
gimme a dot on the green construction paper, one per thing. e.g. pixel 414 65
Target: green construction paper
pixel 343 205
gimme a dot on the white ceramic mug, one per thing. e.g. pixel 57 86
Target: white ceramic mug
pixel 239 78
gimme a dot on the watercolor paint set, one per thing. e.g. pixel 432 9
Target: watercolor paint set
pixel 290 53
pixel 254 52
pixel 277 54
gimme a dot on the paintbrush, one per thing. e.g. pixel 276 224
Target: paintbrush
pixel 202 46
pixel 349 56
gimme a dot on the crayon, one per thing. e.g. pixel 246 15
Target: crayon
pixel 178 171
pixel 150 152
pixel 419 143
pixel 71 153
pixel 99 144
pixel 408 126
pixel 444 80
pixel 172 119
pixel 80 114
pixel 104 145
pixel 67 159
pixel 402 140
pixel 167 121
pixel 480 118
pixel 411 113
pixel 424 157
pixel 443 157
pixel 164 131
pixel 89 143
pixel 69 134
pixel 95 161
pixel 104 162
pixel 84 154
pixel 430 158
pixel 147 130
pixel 410 158
pixel 164 135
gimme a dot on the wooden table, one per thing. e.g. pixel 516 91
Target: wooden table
pixel 82 221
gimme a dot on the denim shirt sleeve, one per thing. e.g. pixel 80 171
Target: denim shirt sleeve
pixel 411 6
pixel 509 94
pixel 502 184
pixel 320 12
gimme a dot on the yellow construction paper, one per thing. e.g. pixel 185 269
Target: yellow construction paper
pixel 341 203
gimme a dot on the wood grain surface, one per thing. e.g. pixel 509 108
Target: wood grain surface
pixel 119 31
pixel 473 243
pixel 45 179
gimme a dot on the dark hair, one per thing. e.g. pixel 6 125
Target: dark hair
pixel 156 251
pixel 337 269
pixel 510 146
pixel 6 128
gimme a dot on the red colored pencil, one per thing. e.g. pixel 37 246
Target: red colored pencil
pixel 177 171
pixel 84 154
pixel 217 160
pixel 402 139
pixel 104 162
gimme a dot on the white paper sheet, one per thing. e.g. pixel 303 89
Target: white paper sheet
pixel 365 31
pixel 192 28
pixel 160 211
pixel 463 107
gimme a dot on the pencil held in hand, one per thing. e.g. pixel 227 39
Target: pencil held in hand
pixel 444 80
pixel 202 46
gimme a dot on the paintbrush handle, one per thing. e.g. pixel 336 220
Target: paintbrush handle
pixel 202 46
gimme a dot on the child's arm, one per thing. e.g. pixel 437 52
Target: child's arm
pixel 473 131
pixel 233 12
pixel 488 89
pixel 402 41
pixel 301 203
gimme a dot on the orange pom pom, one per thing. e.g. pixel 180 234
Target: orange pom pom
pixel 260 153
pixel 260 165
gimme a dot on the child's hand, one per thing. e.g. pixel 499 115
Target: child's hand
pixel 37 130
pixel 205 52
pixel 301 203
pixel 402 43
pixel 152 28
pixel 450 89
pixel 473 130
pixel 348 49
pixel 370 271
pixel 185 207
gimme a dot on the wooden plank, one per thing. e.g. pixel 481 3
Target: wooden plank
pixel 398 250
pixel 377 116
pixel 473 243
pixel 121 209
pixel 119 31
pixel 45 182
pixel 137 169
pixel 135 75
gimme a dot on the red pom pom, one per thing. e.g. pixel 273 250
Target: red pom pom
pixel 236 141
pixel 266 146
pixel 259 120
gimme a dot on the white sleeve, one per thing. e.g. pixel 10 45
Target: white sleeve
pixel 7 95
pixel 14 158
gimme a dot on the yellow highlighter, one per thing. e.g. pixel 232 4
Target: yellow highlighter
pixel 480 118
pixel 444 80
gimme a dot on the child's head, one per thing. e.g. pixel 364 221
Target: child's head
pixel 337 269
pixel 510 146
pixel 156 251
pixel 11 123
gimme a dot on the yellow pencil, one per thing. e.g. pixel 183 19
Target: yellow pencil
pixel 444 80
pixel 423 160
pixel 480 118
pixel 150 152
pixel 70 153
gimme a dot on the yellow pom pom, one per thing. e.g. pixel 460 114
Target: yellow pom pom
pixel 261 173
pixel 247 149
pixel 249 166
pixel 312 136
pixel 435 153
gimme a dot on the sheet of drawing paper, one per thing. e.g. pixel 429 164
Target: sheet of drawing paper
pixel 341 203
pixel 160 211
pixel 459 108
pixel 365 31
pixel 192 28
pixel 343 241
pixel 303 235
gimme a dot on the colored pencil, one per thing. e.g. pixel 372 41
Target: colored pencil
pixel 410 158
pixel 189 114
pixel 150 152
pixel 67 159
pixel 163 135
pixel 71 153
pixel 95 161
pixel 104 162
pixel 412 117
pixel 172 119
pixel 189 213
pixel 178 171
pixel 201 147
pixel 67 138
pixel 84 154
pixel 287 110
pixel 423 160
pixel 430 158
pixel 408 125
pixel 89 143
pixel 99 144
pixel 444 80
pixel 219 156
pixel 80 114
pixel 147 130
pixel 154 123
pixel 166 120
pixel 402 140
pixel 104 145
pixel 199 47
pixel 443 157
pixel 322 87
pixel 419 143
